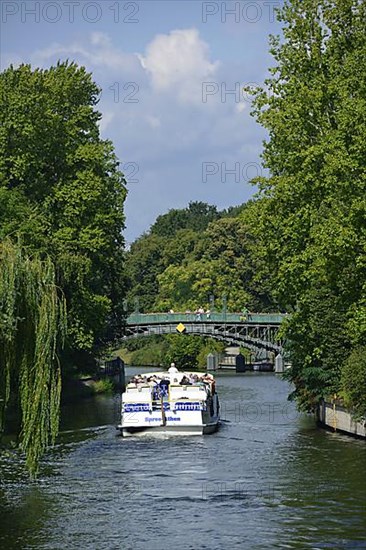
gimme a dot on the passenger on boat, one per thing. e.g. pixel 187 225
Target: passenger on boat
pixel 209 379
pixel 174 374
pixel 185 381
pixel 152 381
pixel 138 379
pixel 164 387
pixel 156 392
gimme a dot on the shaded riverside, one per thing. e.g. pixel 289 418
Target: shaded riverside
pixel 332 415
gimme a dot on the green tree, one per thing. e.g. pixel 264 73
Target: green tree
pixel 313 204
pixel 190 286
pixel 222 262
pixel 62 182
pixel 180 248
pixel 231 242
pixel 196 217
pixel 353 382
pixel 169 242
pixel 32 328
pixel 144 262
pixel 183 350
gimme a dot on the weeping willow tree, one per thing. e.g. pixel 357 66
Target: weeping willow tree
pixel 32 327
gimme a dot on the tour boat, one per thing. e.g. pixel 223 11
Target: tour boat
pixel 172 402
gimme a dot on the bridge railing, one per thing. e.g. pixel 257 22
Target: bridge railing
pixel 163 318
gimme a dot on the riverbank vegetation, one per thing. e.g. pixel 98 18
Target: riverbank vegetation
pixel 62 193
pixel 300 245
pixel 311 211
pixel 186 351
pixel 33 329
pixel 61 198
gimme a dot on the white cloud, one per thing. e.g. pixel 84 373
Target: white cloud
pixel 8 59
pixel 98 53
pixel 153 121
pixel 179 62
pixel 100 39
pixel 240 107
pixel 106 120
pixel 169 131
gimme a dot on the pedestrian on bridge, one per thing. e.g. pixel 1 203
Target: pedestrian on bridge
pixel 199 313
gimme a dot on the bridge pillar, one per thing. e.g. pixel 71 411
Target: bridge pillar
pixel 279 365
pixel 240 365
pixel 211 362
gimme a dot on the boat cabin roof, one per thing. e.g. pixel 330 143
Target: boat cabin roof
pixel 175 378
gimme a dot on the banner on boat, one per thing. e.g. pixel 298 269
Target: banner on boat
pixel 181 406
pixel 136 407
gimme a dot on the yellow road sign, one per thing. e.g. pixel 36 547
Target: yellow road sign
pixel 180 328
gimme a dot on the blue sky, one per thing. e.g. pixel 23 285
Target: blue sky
pixel 166 69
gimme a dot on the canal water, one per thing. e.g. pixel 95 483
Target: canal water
pixel 269 478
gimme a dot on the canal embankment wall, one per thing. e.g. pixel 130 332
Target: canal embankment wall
pixel 336 417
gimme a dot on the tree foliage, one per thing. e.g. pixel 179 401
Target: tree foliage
pixel 185 350
pixel 196 217
pixel 32 328
pixel 205 253
pixel 62 192
pixel 312 208
pixel 169 242
pixel 353 382
pixel 144 262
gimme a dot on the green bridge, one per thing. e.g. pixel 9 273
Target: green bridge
pixel 252 330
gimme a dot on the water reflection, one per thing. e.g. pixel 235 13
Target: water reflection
pixel 268 479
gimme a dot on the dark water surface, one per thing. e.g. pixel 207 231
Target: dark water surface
pixel 268 479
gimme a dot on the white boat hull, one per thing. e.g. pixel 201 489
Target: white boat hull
pixel 162 431
pixel 169 430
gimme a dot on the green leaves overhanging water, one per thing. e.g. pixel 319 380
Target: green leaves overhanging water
pixel 32 328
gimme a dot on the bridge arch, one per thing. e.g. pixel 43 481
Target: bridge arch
pixel 254 331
